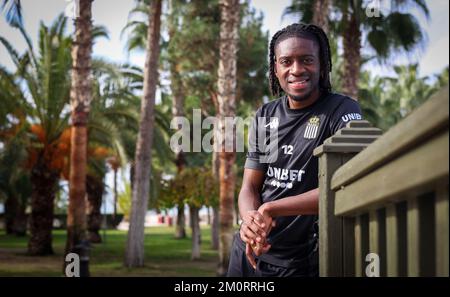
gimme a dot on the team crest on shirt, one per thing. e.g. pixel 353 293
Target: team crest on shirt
pixel 312 128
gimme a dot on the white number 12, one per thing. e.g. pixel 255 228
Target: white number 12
pixel 288 149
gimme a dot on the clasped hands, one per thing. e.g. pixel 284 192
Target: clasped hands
pixel 255 227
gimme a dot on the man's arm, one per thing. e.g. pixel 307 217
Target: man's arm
pixel 303 204
pixel 249 196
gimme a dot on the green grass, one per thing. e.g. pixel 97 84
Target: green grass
pixel 164 255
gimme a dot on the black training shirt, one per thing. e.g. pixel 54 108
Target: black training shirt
pixel 281 143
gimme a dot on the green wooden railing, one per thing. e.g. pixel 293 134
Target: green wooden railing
pixel 387 195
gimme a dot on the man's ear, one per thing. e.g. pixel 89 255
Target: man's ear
pixel 275 65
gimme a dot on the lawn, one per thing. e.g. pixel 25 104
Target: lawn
pixel 164 255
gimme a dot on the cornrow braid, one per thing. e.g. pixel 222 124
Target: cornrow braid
pixel 300 30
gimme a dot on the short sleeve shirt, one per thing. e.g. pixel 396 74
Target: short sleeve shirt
pixel 281 143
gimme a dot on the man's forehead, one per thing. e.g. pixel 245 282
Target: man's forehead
pixel 294 44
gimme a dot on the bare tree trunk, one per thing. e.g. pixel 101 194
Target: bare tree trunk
pixel 352 55
pixel 80 98
pixel 177 111
pixel 134 256
pixel 208 215
pixel 94 189
pixel 320 17
pixel 115 196
pixel 44 182
pixel 196 234
pixel 216 214
pixel 180 231
pixel 229 36
pixel 215 229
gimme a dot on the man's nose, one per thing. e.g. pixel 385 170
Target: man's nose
pixel 297 68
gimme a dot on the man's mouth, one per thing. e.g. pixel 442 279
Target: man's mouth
pixel 299 83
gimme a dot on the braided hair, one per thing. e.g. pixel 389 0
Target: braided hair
pixel 302 30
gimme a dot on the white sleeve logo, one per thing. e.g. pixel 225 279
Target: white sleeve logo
pixel 351 116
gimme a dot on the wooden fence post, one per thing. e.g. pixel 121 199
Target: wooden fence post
pixel 336 234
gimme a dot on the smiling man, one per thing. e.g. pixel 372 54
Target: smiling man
pixel 279 199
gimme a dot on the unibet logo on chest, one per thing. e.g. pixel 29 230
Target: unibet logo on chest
pixel 282 175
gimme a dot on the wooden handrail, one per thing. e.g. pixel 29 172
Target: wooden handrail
pixel 427 120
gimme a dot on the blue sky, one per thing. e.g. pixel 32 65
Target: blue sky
pixel 114 14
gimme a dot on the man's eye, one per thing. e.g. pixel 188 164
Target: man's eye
pixel 284 62
pixel 308 60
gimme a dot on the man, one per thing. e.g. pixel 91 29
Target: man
pixel 281 187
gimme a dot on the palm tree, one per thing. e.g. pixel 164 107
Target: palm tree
pixel 135 242
pixel 80 98
pixel 47 80
pixel 229 36
pixel 45 114
pixel 113 114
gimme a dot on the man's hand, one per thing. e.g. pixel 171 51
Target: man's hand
pixel 253 228
pixel 262 247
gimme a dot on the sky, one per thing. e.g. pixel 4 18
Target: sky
pixel 113 14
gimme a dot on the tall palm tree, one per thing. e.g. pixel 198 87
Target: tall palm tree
pixel 80 98
pixel 135 242
pixel 229 37
pixel 46 78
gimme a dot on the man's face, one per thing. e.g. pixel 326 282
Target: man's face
pixel 297 67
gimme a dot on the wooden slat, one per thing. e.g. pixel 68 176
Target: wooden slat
pixel 358 247
pixel 413 237
pixel 330 228
pixel 413 172
pixel 377 237
pixel 421 236
pixel 391 239
pixel 428 119
pixel 442 215
pixel 361 244
pixel 348 241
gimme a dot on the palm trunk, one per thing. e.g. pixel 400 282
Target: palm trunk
pixel 352 55
pixel 80 97
pixel 94 189
pixel 134 255
pixel 196 235
pixel 320 17
pixel 44 183
pixel 229 36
